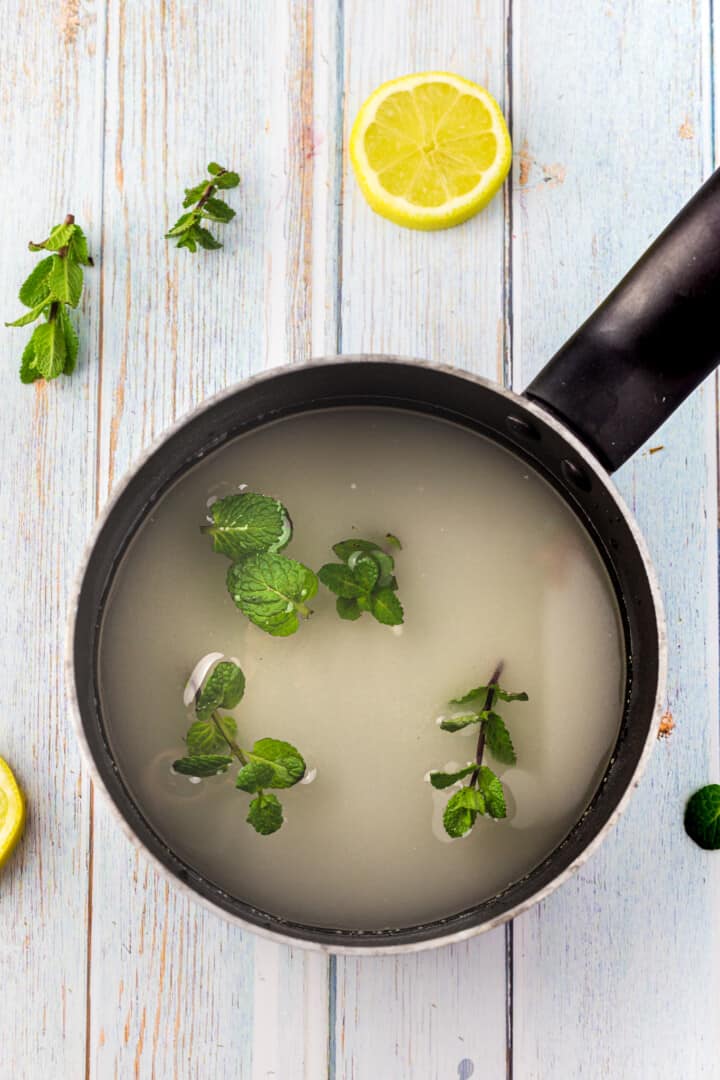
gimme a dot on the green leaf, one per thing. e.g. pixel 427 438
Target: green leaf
pixel 492 791
pixel 461 811
pixel 58 238
pixel 472 695
pixel 702 817
pixel 35 289
pixel 222 690
pixel 387 608
pixel 78 247
pixel 28 372
pixel 204 738
pixel 71 342
pixel 254 776
pixel 365 570
pixel 247 524
pixel 391 539
pixel 271 589
pixel 213 168
pixel 50 349
pixel 386 565
pixel 457 723
pixel 66 280
pixel 202 764
pixel 445 779
pixel 205 239
pixel 345 548
pixel 498 739
pixel 183 223
pixel 287 764
pixel 194 194
pixel 347 609
pixel 187 241
pixel 217 210
pixel 265 814
pixel 340 579
pixel 30 316
pixel 504 695
pixel 226 180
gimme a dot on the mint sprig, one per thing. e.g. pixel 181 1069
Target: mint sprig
pixel 702 817
pixel 189 230
pixel 483 795
pixel 53 286
pixel 212 745
pixel 364 581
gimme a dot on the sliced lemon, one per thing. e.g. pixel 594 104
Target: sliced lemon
pixel 12 811
pixel 430 150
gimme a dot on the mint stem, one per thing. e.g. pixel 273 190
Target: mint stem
pixel 209 190
pixel 217 721
pixel 480 749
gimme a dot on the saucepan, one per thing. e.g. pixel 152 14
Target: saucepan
pixel 599 398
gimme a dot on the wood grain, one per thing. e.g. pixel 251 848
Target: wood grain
pixel 51 125
pixel 617 973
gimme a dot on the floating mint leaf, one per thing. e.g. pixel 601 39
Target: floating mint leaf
pixel 247 524
pixel 222 690
pixel 387 608
pixel 498 739
pixel 442 780
pixel 265 814
pixel 255 776
pixel 340 579
pixel 386 565
pixel 365 570
pixel 492 791
pixel 345 548
pixel 461 811
pixel 272 590
pixel 282 764
pixel 204 738
pixel 348 609
pixel 35 289
pixel 202 765
pixel 702 817
pixel 391 539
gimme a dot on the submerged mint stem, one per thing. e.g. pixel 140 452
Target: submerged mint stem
pixel 217 721
pixel 488 704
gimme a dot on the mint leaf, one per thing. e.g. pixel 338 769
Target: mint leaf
pixel 204 738
pixel 254 776
pixel 271 590
pixel 391 539
pixel 50 351
pixel 386 565
pixel 247 524
pixel 341 580
pixel 65 280
pixel 498 739
pixel 213 168
pixel 226 180
pixel 194 194
pixel 202 764
pixel 222 690
pixel 345 548
pixel 78 248
pixel 492 791
pixel 30 316
pixel 477 692
pixel 365 569
pixel 59 237
pixel 71 342
pixel 35 288
pixel 457 723
pixel 28 372
pixel 187 242
pixel 461 811
pixel 285 761
pixel 217 210
pixel 265 814
pixel 442 780
pixel 205 239
pixel 702 817
pixel 387 608
pixel 347 609
pixel 504 695
pixel 183 223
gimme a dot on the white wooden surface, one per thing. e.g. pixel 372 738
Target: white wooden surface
pixel 107 110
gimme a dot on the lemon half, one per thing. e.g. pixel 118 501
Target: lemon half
pixel 12 811
pixel 430 150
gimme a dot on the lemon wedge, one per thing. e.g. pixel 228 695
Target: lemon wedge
pixel 430 150
pixel 12 811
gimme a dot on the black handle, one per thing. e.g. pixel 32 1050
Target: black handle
pixel 649 344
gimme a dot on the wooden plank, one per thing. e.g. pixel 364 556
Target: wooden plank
pixel 176 992
pixel 440 296
pixel 50 118
pixel 617 974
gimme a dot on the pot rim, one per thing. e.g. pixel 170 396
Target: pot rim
pixel 378 946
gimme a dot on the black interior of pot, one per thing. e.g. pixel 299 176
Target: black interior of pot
pixel 443 394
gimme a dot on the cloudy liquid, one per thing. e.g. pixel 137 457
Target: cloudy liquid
pixel 494 567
